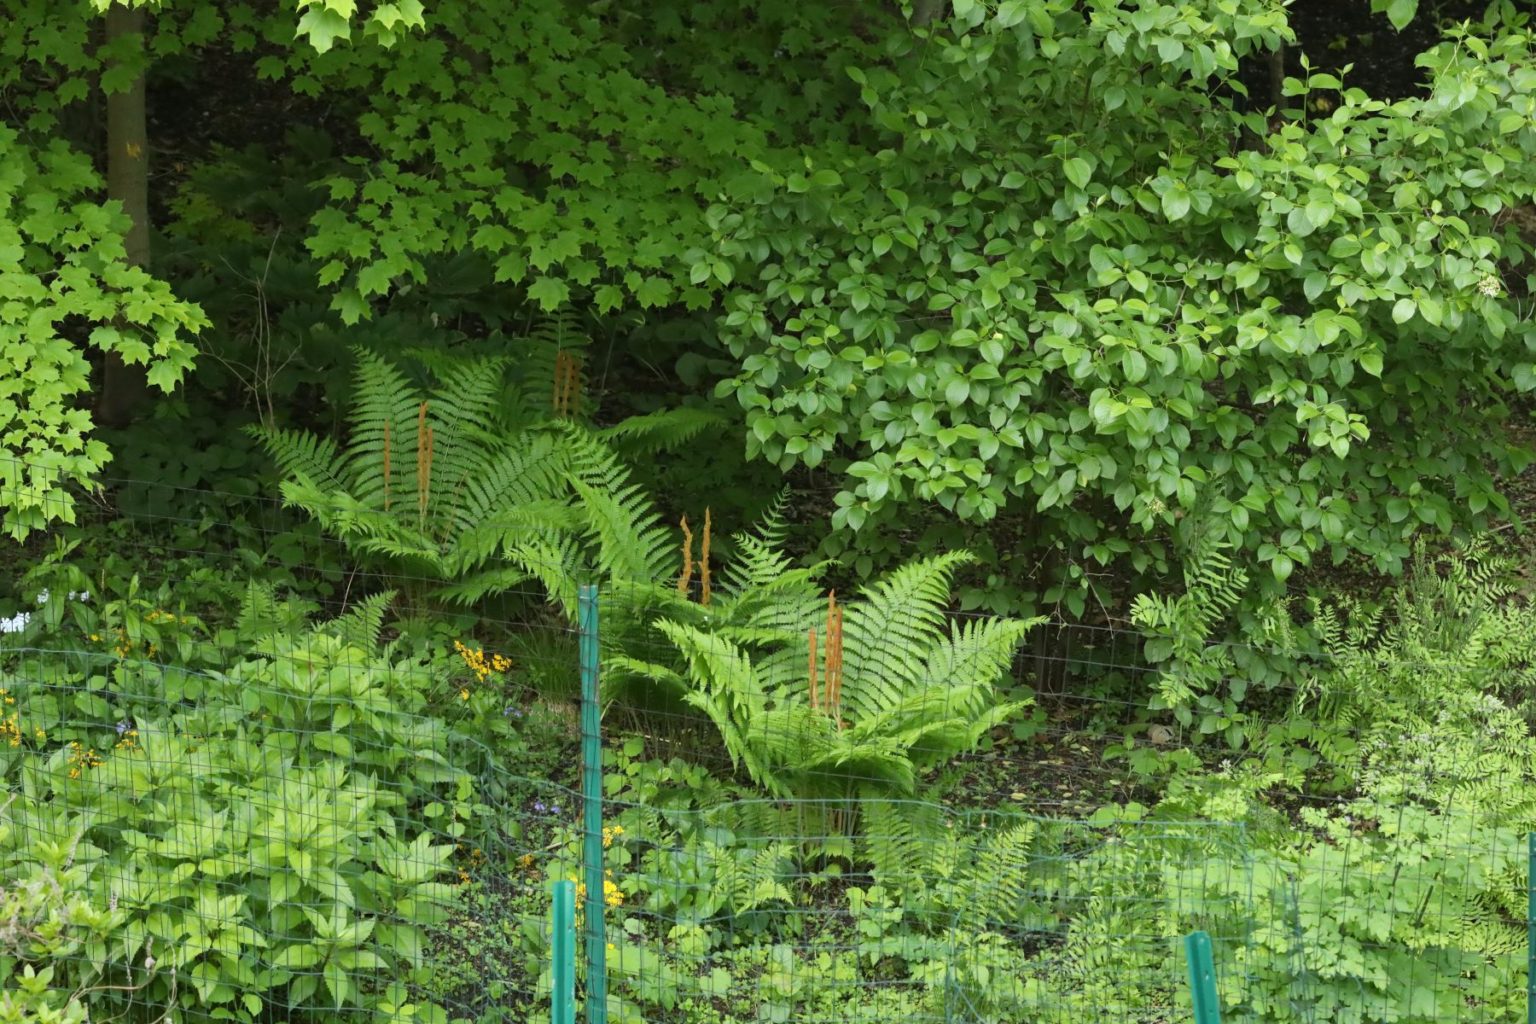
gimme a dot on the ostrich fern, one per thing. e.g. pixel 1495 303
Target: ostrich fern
pixel 916 688
pixel 480 484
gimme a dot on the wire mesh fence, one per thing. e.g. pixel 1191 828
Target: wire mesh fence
pixel 246 781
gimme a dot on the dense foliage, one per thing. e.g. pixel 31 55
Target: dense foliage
pixel 1052 472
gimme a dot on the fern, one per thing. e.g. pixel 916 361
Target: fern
pixel 974 875
pixel 662 431
pixel 887 636
pixel 470 484
pixel 1179 628
pixel 917 691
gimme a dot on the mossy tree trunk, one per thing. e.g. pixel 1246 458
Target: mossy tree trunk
pixel 123 385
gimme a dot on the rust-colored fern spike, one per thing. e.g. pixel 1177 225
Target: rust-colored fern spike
pixel 834 670
pixel 811 636
pixel 386 465
pixel 423 457
pixel 567 384
pixel 704 563
pixel 557 388
pixel 686 577
pixel 839 666
pixel 426 485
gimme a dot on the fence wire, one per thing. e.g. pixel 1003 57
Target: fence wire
pixel 264 803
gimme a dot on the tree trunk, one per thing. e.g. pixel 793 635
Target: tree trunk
pixel 1277 78
pixel 123 385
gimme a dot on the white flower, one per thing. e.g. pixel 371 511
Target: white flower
pixel 1490 286
pixel 42 597
pixel 16 623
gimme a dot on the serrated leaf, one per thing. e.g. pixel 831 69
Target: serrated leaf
pixel 322 26
pixel 550 293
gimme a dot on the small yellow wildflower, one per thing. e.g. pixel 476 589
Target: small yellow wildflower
pixel 612 895
pixel 81 760
pixel 10 725
pixel 478 663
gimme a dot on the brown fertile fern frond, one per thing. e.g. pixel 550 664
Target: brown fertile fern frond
pixel 423 461
pixel 834 688
pixel 686 577
pixel 386 465
pixel 704 563
pixel 811 634
pixel 566 394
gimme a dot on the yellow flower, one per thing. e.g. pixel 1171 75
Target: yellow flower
pixel 475 659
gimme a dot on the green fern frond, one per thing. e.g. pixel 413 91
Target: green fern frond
pixel 632 543
pixel 911 846
pixel 538 353
pixel 385 414
pixel 725 689
pixel 661 431
pixel 620 673
pixel 262 612
pixel 301 454
pixel 362 626
pixel 887 632
pixel 998 881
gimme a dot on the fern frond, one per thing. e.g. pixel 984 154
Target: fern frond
pixel 262 612
pixel 385 413
pixel 362 626
pixel 554 562
pixel 661 431
pixel 301 454
pixel 540 353
pixel 725 689
pixel 887 632
pixel 997 883
pixel 621 672
pixel 632 542
pixel 911 846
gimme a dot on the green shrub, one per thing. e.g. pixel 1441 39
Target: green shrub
pixel 249 841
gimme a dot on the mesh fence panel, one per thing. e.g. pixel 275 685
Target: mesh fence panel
pixel 221 816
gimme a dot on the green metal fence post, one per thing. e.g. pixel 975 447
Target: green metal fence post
pixel 1530 929
pixel 562 952
pixel 1202 978
pixel 592 808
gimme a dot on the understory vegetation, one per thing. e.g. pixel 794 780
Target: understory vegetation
pixel 1053 474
